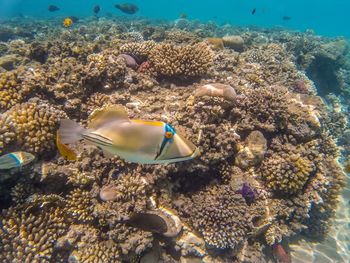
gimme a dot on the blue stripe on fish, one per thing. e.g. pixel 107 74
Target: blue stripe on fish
pixel 15 158
pixel 167 128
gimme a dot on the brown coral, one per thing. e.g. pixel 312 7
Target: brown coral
pixel 181 61
pixel 140 50
pixel 100 251
pixel 11 91
pixel 79 205
pixel 7 132
pixel 35 125
pixel 223 219
pixel 29 237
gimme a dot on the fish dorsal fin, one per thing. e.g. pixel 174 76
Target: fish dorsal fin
pixel 108 113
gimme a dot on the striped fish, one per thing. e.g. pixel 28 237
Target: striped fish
pixel 15 160
pixel 138 141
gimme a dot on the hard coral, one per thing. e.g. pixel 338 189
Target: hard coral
pixel 100 251
pixel 11 91
pixel 140 50
pixel 288 171
pixel 7 132
pixel 79 205
pixel 35 125
pixel 29 237
pixel 223 219
pixel 181 61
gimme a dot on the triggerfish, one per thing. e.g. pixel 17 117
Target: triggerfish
pixel 138 141
pixel 15 160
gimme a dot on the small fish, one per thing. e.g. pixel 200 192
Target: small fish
pixel 53 8
pixel 67 22
pixel 183 16
pixel 64 150
pixel 347 167
pixel 138 141
pixel 280 254
pixel 127 8
pixel 96 9
pixel 148 222
pixel 286 18
pixel 15 160
pixel 253 11
pixel 74 19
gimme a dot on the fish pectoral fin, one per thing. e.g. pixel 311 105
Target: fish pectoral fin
pixel 99 117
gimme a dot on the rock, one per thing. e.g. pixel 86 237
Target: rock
pixel 234 41
pixel 253 152
pixel 9 62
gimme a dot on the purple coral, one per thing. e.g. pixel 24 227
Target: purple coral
pixel 248 193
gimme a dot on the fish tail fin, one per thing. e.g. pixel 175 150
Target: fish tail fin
pixel 9 161
pixel 70 131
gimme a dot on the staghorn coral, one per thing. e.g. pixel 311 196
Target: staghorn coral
pixel 30 237
pixel 35 124
pixel 181 61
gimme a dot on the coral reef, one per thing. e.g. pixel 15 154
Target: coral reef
pixel 181 61
pixel 268 174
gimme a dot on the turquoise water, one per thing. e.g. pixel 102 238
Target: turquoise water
pixel 330 18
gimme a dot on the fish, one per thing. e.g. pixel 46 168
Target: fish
pixel 280 254
pixel 74 19
pixel 127 8
pixel 253 11
pixel 183 16
pixel 347 167
pixel 64 150
pixel 67 22
pixel 53 8
pixel 96 9
pixel 148 222
pixel 137 141
pixel 15 160
pixel 286 18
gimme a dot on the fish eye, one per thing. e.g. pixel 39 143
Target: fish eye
pixel 168 135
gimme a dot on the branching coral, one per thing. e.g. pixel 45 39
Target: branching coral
pixel 11 91
pixel 30 237
pixel 140 50
pixel 7 132
pixel 287 171
pixel 223 219
pixel 35 125
pixel 79 205
pixel 181 61
pixel 100 251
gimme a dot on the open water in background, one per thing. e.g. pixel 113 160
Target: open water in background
pixel 325 17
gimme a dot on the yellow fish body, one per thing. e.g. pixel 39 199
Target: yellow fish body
pixel 64 150
pixel 67 22
pixel 138 141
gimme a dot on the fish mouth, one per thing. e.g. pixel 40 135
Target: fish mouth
pixel 179 149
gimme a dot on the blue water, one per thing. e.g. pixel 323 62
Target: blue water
pixel 329 18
